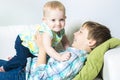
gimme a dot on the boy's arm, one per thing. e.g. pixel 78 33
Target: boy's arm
pixel 42 53
pixel 65 42
pixel 47 42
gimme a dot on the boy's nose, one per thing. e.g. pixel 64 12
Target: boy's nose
pixel 75 33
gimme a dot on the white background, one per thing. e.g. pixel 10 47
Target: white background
pixel 27 12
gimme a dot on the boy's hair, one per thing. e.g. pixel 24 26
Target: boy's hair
pixel 97 31
pixel 53 5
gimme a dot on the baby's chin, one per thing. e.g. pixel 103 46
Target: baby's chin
pixel 57 30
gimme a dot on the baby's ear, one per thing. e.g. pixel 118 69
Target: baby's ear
pixel 65 17
pixel 92 42
pixel 43 19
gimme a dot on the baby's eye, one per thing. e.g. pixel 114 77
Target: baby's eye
pixel 53 20
pixel 62 19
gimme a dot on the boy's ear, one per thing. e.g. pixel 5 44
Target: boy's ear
pixel 92 42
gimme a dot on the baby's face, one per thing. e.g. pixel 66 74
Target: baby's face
pixel 55 19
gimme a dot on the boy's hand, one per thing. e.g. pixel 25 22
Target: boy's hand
pixel 38 40
pixel 2 69
pixel 65 56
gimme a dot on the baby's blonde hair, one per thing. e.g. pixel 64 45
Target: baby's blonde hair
pixel 53 5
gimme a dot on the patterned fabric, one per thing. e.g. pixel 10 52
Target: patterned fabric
pixel 55 70
pixel 28 37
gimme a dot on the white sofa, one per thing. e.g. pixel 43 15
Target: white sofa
pixel 111 69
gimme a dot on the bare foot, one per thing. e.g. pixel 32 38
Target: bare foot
pixel 9 58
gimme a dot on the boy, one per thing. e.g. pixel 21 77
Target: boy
pixel 90 35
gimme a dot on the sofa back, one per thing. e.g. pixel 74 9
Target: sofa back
pixel 8 35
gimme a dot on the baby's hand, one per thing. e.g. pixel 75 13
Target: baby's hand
pixel 2 69
pixel 65 56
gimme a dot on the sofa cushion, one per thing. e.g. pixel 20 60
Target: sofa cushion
pixel 8 35
pixel 95 60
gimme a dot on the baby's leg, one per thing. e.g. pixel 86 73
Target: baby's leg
pixel 2 62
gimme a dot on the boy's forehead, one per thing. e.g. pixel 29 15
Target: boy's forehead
pixel 82 28
pixel 84 25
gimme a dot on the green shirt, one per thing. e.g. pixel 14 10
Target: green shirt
pixel 28 37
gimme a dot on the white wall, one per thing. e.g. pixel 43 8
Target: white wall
pixel 26 12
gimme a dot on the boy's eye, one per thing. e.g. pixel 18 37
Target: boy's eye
pixel 80 31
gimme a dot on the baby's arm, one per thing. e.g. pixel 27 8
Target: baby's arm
pixel 65 42
pixel 47 42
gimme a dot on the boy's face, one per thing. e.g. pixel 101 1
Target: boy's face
pixel 55 19
pixel 81 41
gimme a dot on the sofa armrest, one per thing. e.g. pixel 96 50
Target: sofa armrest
pixel 111 69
